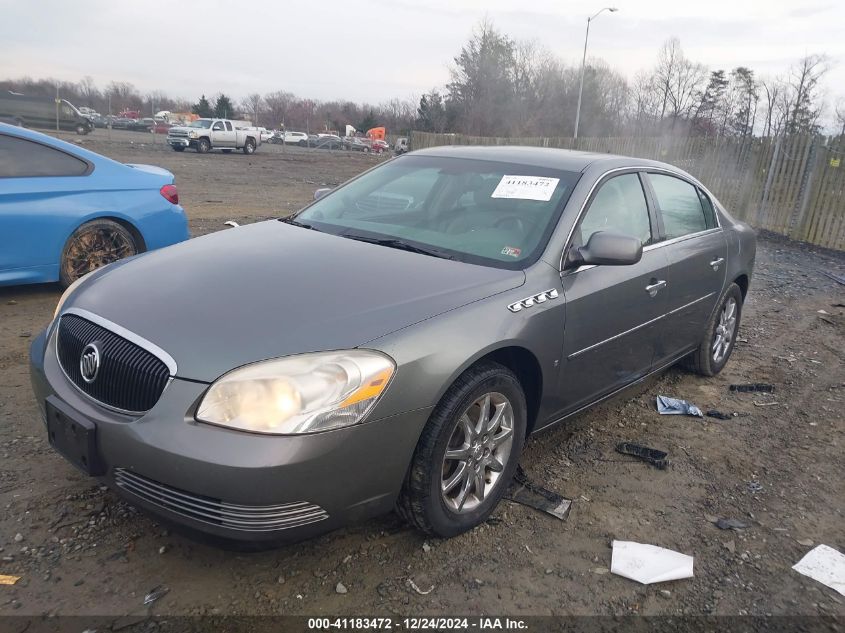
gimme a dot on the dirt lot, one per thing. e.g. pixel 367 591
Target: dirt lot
pixel 81 550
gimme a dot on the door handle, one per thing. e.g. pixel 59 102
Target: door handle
pixel 717 262
pixel 653 289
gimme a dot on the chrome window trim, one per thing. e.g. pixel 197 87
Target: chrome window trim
pixel 152 348
pixel 682 238
pixel 637 327
pixel 646 169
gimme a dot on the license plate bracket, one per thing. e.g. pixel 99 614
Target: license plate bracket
pixel 74 437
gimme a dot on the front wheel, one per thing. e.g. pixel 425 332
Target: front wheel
pixel 467 453
pixel 719 336
pixel 92 245
pixel 203 146
pixel 249 146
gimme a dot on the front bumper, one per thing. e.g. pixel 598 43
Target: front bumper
pixel 234 485
pixel 176 141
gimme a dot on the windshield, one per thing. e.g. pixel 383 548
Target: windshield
pixel 200 123
pixel 484 212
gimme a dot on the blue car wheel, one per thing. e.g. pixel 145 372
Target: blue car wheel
pixel 92 245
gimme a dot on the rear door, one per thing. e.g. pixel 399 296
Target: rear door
pixel 697 253
pixel 613 313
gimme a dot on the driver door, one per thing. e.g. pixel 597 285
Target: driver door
pixel 223 134
pixel 613 313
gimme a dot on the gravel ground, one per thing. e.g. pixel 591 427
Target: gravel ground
pixel 776 466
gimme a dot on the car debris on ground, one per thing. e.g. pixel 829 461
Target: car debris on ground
pixel 674 406
pixel 730 524
pixel 826 565
pixel 8 580
pixel 653 456
pixel 649 564
pixel 523 491
pixel 753 387
pixel 155 594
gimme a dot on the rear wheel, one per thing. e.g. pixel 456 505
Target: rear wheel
pixel 249 146
pixel 719 336
pixel 203 146
pixel 467 453
pixel 92 245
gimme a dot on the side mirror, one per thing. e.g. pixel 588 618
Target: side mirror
pixel 606 249
pixel 321 192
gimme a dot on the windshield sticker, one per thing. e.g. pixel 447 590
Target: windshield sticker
pixel 512 251
pixel 526 188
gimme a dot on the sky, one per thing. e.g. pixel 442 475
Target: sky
pixel 374 50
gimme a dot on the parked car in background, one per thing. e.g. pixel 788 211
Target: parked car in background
pixel 401 146
pixel 122 123
pixel 323 141
pixel 162 127
pixel 142 125
pixel 204 135
pixel 516 286
pixel 265 134
pixel 65 211
pixel 294 138
pixel 379 146
pixel 43 112
pixel 357 144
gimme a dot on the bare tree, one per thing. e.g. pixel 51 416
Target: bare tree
pixel 278 106
pixel 253 103
pixel 804 80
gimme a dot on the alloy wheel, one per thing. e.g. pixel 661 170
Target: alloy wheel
pixel 94 248
pixel 725 330
pixel 477 452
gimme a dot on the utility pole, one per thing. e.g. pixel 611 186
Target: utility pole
pixel 58 101
pixel 583 66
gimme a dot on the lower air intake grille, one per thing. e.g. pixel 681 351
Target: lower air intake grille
pixel 217 512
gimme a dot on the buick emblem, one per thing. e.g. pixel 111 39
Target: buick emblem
pixel 89 363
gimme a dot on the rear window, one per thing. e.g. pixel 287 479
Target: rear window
pixel 22 158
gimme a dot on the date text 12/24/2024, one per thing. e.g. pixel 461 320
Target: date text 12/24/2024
pixel 417 624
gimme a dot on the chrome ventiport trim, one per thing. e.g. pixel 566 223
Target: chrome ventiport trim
pixel 540 297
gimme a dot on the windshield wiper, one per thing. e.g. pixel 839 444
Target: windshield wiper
pixel 392 242
pixel 296 222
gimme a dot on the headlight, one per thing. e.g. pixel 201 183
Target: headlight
pixel 192 134
pixel 299 394
pixel 67 293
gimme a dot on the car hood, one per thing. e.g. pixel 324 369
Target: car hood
pixel 271 289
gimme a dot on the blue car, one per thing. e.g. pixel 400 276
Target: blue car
pixel 65 211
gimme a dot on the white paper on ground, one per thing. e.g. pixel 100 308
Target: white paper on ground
pixel 824 564
pixel 526 188
pixel 649 563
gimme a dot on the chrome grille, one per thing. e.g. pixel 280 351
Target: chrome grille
pixel 216 512
pixel 178 133
pixel 130 378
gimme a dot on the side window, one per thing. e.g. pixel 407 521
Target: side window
pixel 21 158
pixel 709 211
pixel 228 126
pixel 620 207
pixel 218 127
pixel 680 205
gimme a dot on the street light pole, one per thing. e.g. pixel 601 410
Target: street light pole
pixel 584 63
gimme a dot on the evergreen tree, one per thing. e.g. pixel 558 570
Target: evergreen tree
pixel 202 108
pixel 223 108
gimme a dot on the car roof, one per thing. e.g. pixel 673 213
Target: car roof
pixel 550 158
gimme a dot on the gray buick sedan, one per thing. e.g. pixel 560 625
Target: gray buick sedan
pixel 391 345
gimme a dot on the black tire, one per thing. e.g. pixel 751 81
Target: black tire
pixel 227 151
pixel 249 147
pixel 303 143
pixel 203 146
pixel 703 361
pixel 116 240
pixel 178 148
pixel 366 150
pixel 421 502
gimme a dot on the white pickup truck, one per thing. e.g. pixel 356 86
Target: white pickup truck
pixel 205 135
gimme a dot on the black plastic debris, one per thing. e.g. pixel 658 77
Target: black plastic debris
pixel 756 386
pixel 523 491
pixel 731 524
pixel 656 458
pixel 155 594
pixel 713 413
